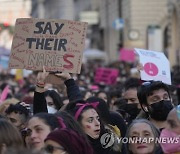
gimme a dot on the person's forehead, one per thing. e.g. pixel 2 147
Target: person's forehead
pixel 160 91
pixel 49 98
pixel 140 127
pixel 89 113
pixel 14 115
pixel 130 92
pixel 131 89
pixel 35 120
pixel 173 115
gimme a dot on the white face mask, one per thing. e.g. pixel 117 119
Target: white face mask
pixel 51 109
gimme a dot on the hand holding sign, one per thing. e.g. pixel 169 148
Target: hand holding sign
pixel 64 76
pixel 41 77
pixel 139 67
pixel 53 78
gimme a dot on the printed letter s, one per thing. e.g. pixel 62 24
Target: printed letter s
pixel 70 64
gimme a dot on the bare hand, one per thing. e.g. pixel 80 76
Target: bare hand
pixel 41 77
pixel 64 76
pixel 140 67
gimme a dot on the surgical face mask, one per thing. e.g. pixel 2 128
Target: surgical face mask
pixel 132 110
pixel 51 109
pixel 167 146
pixel 159 110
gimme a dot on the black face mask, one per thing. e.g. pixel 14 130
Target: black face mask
pixel 159 110
pixel 132 110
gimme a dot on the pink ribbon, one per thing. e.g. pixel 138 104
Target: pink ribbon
pixel 82 106
pixel 4 93
pixel 61 122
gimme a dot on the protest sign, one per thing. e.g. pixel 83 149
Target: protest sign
pixel 155 66
pixel 127 55
pixel 56 44
pixel 106 75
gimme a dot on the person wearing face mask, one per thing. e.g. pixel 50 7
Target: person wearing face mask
pixel 53 100
pixel 155 100
pixel 49 97
pixel 172 131
pixel 132 106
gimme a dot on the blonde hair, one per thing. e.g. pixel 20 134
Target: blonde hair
pixel 4 105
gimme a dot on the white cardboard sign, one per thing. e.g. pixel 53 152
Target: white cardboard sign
pixel 155 66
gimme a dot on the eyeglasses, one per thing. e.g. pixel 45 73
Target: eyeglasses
pixel 50 148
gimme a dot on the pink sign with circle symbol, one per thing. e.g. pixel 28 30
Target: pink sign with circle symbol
pixel 151 69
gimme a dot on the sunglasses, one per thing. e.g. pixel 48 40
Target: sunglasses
pixel 148 83
pixel 26 132
pixel 50 148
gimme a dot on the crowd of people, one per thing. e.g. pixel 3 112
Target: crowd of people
pixel 80 116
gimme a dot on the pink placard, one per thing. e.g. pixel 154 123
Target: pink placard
pixel 106 75
pixel 127 55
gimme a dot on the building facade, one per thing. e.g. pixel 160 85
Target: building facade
pixel 152 25
pixel 10 10
pixel 109 12
pixel 61 9
pixel 173 32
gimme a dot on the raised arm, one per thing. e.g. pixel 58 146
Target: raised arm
pixel 39 102
pixel 73 91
